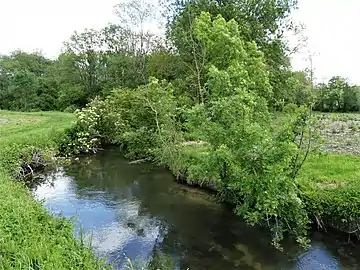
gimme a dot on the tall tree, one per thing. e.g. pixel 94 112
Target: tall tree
pixel 85 49
pixel 264 22
pixel 26 82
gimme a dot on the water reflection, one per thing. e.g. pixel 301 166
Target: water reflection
pixel 140 211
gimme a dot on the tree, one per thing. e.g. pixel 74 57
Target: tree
pixel 337 95
pixel 85 50
pixel 301 93
pixel 351 98
pixel 22 91
pixel 263 22
pixel 27 82
pixel 256 168
pixel 133 16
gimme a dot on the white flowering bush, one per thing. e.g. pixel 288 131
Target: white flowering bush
pixel 96 124
pixel 140 120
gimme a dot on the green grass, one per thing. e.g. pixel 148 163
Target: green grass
pixel 32 128
pixel 327 169
pixel 30 238
pixel 22 132
pixel 331 186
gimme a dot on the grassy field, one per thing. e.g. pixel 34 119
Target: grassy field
pixel 29 237
pixel 339 161
pixel 331 180
pixel 20 132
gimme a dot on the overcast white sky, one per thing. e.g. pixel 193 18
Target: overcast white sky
pixel 333 29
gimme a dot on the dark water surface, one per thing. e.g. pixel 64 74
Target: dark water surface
pixel 140 211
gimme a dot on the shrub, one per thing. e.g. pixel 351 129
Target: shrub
pixel 142 121
pixel 95 125
pixel 290 108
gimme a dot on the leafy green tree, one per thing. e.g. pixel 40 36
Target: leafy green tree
pixel 300 92
pixel 132 42
pixel 263 22
pixel 334 95
pixel 67 76
pixel 337 96
pixel 85 49
pixel 33 62
pixel 22 91
pixel 351 98
pixel 162 64
pixel 255 167
pixel 27 82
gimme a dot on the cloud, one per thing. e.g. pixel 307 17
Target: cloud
pixel 332 30
pixel 43 24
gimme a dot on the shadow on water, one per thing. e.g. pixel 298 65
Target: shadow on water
pixel 138 210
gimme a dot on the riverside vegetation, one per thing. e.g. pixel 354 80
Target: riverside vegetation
pixel 206 106
pixel 226 143
pixel 31 238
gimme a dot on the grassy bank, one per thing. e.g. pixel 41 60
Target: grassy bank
pixel 331 185
pixel 329 181
pixel 21 134
pixel 30 238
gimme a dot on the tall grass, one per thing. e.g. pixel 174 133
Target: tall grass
pixel 30 238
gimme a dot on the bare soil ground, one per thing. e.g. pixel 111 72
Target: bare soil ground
pixel 340 132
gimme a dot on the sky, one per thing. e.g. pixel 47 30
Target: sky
pixel 332 28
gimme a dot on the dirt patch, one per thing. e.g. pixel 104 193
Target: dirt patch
pixel 330 184
pixel 341 133
pixel 16 121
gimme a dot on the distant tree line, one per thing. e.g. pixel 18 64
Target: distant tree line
pixel 124 55
pixel 338 95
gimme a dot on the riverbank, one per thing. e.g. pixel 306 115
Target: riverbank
pixel 329 181
pixel 139 209
pixel 30 238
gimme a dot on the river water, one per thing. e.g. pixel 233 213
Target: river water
pixel 138 211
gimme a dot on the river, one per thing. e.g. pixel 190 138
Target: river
pixel 138 210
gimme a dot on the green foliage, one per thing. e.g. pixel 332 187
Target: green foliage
pixel 26 83
pixel 141 121
pixel 256 168
pixel 95 125
pixel 338 96
pixel 261 22
pixel 147 117
pixel 290 108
